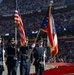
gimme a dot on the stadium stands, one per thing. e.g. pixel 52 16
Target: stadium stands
pixel 28 6
pixel 32 22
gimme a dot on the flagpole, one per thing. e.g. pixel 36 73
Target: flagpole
pixel 32 47
pixel 16 5
pixel 51 2
pixel 50 5
pixel 15 33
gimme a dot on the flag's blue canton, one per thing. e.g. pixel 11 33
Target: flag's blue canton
pixel 45 22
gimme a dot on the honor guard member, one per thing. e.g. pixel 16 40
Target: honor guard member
pixel 24 64
pixel 1 57
pixel 12 57
pixel 39 57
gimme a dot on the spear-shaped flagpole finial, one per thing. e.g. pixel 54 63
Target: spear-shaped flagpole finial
pixel 51 2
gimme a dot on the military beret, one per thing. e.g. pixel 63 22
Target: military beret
pixel 40 39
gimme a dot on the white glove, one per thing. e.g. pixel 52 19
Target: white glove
pixel 15 41
pixel 3 51
pixel 44 54
pixel 33 45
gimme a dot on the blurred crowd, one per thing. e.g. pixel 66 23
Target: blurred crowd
pixel 30 6
pixel 64 20
pixel 33 22
pixel 65 53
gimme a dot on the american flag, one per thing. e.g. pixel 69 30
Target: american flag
pixel 18 20
pixel 48 26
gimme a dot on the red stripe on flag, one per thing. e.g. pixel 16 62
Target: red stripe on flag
pixel 55 51
pixel 18 20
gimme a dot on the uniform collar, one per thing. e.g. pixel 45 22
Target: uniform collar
pixel 41 46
